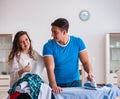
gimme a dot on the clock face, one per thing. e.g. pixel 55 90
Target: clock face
pixel 84 15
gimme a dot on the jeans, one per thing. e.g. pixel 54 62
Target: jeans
pixel 76 83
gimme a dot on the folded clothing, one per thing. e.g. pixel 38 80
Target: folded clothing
pixel 14 95
pixel 23 87
pixel 23 96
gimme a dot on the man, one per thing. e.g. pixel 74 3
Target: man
pixel 61 57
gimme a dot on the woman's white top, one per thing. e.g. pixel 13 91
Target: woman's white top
pixel 36 65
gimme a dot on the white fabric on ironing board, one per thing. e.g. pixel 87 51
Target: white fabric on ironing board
pixel 45 91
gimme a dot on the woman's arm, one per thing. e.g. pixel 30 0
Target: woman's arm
pixel 14 71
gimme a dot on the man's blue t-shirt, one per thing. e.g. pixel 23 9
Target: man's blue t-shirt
pixel 66 58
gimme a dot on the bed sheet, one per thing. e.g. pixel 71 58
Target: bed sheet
pixel 82 93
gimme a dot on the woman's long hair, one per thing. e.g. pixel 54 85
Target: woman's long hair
pixel 16 49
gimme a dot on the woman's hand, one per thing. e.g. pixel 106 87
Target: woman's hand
pixel 27 68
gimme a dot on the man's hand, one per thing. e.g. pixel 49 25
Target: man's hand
pixel 57 90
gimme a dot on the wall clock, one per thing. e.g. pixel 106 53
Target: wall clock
pixel 84 15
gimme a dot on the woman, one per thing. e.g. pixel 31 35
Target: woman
pixel 26 64
pixel 22 58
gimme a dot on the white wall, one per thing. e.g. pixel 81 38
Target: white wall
pixel 35 16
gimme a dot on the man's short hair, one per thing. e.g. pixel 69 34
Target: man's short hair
pixel 62 23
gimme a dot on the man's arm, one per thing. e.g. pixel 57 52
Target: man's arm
pixel 49 63
pixel 86 64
